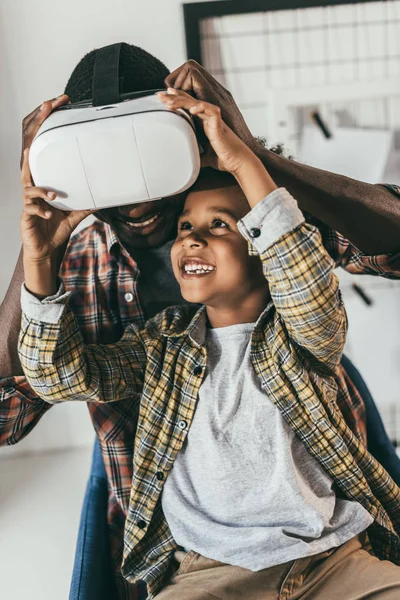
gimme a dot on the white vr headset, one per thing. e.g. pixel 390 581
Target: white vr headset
pixel 118 149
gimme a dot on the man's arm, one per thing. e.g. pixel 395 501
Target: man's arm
pixel 368 215
pixel 10 323
pixel 20 407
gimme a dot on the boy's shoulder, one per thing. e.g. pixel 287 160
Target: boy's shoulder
pixel 174 320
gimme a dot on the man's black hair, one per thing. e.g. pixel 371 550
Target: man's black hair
pixel 138 70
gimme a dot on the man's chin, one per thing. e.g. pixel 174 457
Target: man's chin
pixel 152 235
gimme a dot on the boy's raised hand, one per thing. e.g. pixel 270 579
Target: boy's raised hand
pixel 44 229
pixel 193 78
pixel 229 153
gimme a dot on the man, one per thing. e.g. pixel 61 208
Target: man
pixel 120 272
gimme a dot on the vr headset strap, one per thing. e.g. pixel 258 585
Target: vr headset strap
pixel 105 88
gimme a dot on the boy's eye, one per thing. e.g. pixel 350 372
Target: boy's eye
pixel 219 224
pixel 184 225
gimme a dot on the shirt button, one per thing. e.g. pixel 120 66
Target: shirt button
pixel 182 425
pixel 160 475
pixel 198 370
pixel 255 232
pixel 128 297
pixel 141 524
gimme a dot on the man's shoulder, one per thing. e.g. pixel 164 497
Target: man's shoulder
pixel 95 234
pixel 87 252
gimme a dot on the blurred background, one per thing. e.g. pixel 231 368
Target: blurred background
pixel 297 74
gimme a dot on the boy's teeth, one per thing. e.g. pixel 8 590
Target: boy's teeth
pixel 198 269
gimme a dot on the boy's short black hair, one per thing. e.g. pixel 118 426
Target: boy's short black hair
pixel 139 70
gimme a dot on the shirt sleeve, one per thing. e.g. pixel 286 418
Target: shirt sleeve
pixel 59 366
pixel 303 286
pixel 350 258
pixel 20 409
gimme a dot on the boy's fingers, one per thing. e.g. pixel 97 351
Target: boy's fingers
pixel 179 100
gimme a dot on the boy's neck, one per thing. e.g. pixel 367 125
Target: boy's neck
pixel 247 311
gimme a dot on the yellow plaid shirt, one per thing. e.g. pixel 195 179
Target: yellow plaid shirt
pixel 295 350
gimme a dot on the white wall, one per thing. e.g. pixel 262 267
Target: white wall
pixel 41 41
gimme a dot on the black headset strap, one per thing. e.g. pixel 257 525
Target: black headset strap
pixel 105 89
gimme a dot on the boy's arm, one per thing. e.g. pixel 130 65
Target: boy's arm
pixel 59 366
pixel 303 287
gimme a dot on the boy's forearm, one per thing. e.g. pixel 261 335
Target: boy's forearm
pixel 255 181
pixel 368 215
pixel 41 276
pixel 306 294
pixel 10 323
pixel 299 271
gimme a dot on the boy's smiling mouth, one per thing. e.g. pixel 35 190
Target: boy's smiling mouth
pixel 195 267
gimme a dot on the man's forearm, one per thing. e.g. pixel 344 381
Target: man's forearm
pixel 368 215
pixel 10 323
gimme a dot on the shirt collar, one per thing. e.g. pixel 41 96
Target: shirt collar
pixel 179 327
pixel 197 327
pixel 112 239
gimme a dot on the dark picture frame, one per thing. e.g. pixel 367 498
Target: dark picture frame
pixel 195 12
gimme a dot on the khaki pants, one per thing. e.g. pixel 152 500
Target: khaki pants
pixel 349 572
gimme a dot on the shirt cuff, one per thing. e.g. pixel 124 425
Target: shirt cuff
pixel 274 216
pixel 17 387
pixel 48 310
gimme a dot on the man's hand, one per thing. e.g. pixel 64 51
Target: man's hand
pixel 43 228
pixel 192 77
pixel 32 122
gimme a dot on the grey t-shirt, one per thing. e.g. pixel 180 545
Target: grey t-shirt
pixel 244 490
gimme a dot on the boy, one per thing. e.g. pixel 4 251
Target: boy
pixel 261 511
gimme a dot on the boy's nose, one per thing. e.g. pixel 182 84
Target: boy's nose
pixel 194 240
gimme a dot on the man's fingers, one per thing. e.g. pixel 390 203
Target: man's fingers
pixel 191 76
pixel 178 76
pixel 26 177
pixel 36 192
pixel 172 79
pixel 52 103
pixel 37 209
pixel 32 123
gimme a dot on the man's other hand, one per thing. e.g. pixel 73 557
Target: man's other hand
pixel 32 122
